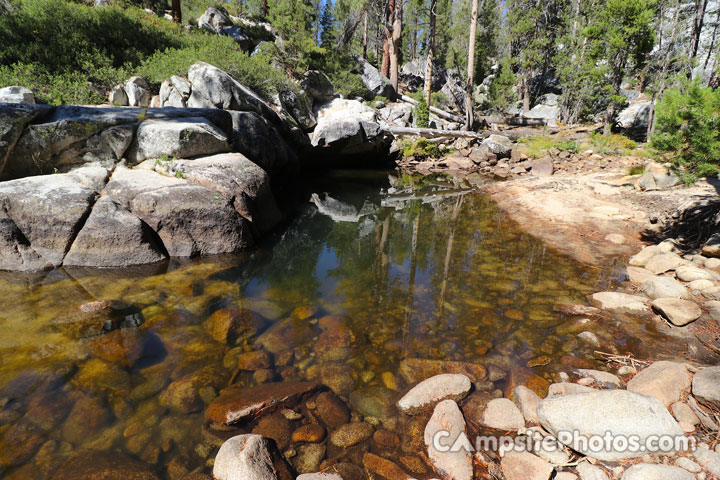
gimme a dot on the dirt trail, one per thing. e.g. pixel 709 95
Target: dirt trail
pixel 576 214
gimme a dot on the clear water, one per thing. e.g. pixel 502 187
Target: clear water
pixel 419 269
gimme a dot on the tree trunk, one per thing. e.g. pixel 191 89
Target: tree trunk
pixel 395 44
pixel 430 53
pixel 663 73
pixel 176 11
pixel 526 92
pixel 697 29
pixel 469 116
pixel 365 34
pixel 265 8
pixel 387 20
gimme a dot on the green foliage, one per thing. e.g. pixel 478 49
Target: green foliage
pixel 421 113
pixel 69 53
pixel 327 25
pixel 688 124
pixel 501 94
pixel 611 144
pixel 222 52
pixel 636 170
pixel 568 146
pixel 421 148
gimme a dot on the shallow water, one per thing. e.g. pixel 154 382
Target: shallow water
pixel 419 269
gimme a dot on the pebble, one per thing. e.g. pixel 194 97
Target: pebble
pixel 528 402
pixel 644 471
pixel 678 312
pixel 433 390
pixel 590 472
pixel 664 262
pixel 685 416
pixel 525 466
pixel 603 379
pixel 689 273
pixel 687 464
pixel 665 287
pixel 312 433
pixel 351 434
pixel 447 418
pixel 706 386
pixel 503 414
pixel 663 380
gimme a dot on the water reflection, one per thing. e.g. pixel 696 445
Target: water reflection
pixel 416 268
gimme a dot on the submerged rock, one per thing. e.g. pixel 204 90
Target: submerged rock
pixel 235 405
pixel 434 390
pixel 95 465
pixel 413 370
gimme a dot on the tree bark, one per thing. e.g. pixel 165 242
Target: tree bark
pixel 395 43
pixel 387 20
pixel 365 34
pixel 663 73
pixel 430 52
pixel 701 5
pixel 176 11
pixel 711 50
pixel 265 8
pixel 526 92
pixel 469 116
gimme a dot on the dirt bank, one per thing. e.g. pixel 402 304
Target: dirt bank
pixel 583 215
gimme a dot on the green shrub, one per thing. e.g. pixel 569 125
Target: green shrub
pixel 688 124
pixel 611 144
pixel 421 148
pixel 421 112
pixel 568 146
pixel 637 170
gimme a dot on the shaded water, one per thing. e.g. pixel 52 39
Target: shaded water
pixel 417 271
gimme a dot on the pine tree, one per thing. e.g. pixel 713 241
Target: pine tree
pixel 327 25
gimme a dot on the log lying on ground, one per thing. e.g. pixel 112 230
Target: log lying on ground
pixel 434 132
pixel 440 113
pixel 516 121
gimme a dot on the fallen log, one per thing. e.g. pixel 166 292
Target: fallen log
pixel 434 132
pixel 440 113
pixel 515 121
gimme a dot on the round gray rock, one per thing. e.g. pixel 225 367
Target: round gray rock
pixel 245 457
pixel 617 411
pixel 665 287
pixel 434 390
pixel 706 386
pixel 676 311
pixel 648 471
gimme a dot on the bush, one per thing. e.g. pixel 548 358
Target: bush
pixel 612 144
pixel 421 112
pixel 688 124
pixel 421 148
pixel 70 53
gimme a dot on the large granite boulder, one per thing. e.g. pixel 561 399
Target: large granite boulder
pixel 237 179
pixel 376 83
pixel 13 120
pixel 213 88
pixel 298 107
pixel 318 86
pixel 217 20
pixel 189 218
pixel 547 108
pixel 349 128
pixel 635 117
pixel 138 92
pixel 259 140
pixel 40 217
pixel 16 95
pixel 178 138
pixel 114 237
